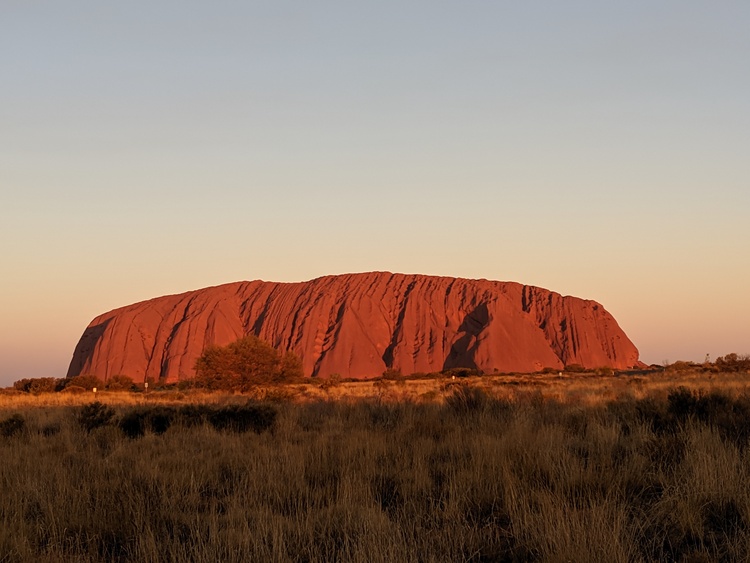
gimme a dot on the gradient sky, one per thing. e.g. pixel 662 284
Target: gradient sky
pixel 596 149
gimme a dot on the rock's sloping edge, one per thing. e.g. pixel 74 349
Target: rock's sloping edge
pixel 358 325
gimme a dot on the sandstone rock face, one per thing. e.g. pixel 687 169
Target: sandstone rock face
pixel 359 325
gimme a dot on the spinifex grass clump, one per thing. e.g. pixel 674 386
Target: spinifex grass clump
pixel 95 415
pixel 476 479
pixel 135 422
pixel 14 424
pixel 243 418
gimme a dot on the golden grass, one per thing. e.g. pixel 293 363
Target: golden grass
pixel 472 479
pixel 572 468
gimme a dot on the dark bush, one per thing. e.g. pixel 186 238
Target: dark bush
pixel 14 424
pixel 136 422
pixel 386 491
pixel 575 368
pixel 243 418
pixel 467 399
pixel 160 419
pixel 49 430
pixel 461 372
pixel 94 415
pixel 234 418
pixel 384 415
pixel 193 415
pixel 649 411
pixel 133 424
pixel 682 403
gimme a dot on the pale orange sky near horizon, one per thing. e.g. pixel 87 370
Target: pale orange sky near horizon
pixel 596 151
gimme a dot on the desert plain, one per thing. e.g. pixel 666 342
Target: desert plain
pixel 637 465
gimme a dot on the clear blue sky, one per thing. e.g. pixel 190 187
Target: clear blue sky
pixel 592 148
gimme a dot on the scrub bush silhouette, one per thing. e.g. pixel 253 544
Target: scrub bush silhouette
pixel 88 382
pixel 94 415
pixel 120 383
pixel 136 422
pixel 467 399
pixel 14 424
pixel 38 385
pixel 245 418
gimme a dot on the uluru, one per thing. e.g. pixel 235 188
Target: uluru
pixel 358 326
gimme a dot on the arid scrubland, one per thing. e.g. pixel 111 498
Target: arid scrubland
pixel 467 470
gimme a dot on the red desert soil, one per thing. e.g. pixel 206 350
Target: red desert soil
pixel 359 325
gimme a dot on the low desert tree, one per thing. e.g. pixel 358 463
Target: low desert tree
pixel 22 385
pixel 733 362
pixel 88 382
pixel 39 385
pixel 243 364
pixel 120 383
pixel 291 367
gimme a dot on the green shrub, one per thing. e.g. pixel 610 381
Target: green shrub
pixel 244 364
pixel 88 382
pixel 38 385
pixel 120 383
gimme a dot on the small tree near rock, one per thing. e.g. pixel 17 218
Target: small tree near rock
pixel 243 364
pixel 88 382
pixel 120 383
